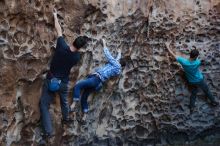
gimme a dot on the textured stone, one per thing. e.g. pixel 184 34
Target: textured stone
pixel 149 103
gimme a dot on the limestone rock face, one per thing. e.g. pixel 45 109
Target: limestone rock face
pixel 147 105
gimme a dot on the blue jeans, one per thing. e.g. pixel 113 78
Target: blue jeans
pixel 91 84
pixel 195 88
pixel 45 100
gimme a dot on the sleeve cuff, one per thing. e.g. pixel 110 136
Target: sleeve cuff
pixel 177 58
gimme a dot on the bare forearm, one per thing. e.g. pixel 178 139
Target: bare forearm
pixel 104 43
pixel 57 26
pixel 171 52
pixel 119 55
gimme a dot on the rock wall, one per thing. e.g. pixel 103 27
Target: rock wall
pixel 148 105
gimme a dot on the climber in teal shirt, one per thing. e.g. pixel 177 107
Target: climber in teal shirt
pixel 194 75
pixel 191 68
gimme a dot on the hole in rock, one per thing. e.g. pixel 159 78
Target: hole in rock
pixel 165 118
pixel 145 118
pixel 137 116
pixel 20 37
pixel 43 50
pixel 1 41
pixel 178 19
pixel 140 131
pixel 165 19
pixel 177 138
pixel 38 4
pixel 214 60
pixel 9 52
pixel 104 7
pixel 40 14
pixel 30 1
pixel 127 84
pixel 2 3
pixel 45 42
pixel 4 34
pixel 16 49
pixel 31 73
pixel 151 9
pixel 24 48
pixel 19 98
pixel 123 123
pixel 144 108
pixel 131 122
pixel 137 108
pixel 187 41
pixel 29 42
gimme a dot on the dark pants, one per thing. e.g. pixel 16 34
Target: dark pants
pixel 91 84
pixel 195 88
pixel 45 100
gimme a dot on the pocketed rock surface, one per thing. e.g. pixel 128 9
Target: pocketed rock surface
pixel 148 105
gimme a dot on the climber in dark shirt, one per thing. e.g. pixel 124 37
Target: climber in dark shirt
pixel 65 57
pixel 63 60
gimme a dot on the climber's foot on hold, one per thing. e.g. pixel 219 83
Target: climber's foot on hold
pixel 67 121
pixel 191 109
pixel 46 139
pixel 42 142
pixel 81 118
pixel 74 107
pixel 214 103
pixel 84 117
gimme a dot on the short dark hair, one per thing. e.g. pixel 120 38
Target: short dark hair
pixel 193 47
pixel 194 53
pixel 80 41
pixel 123 62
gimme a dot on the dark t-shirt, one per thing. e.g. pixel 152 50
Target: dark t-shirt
pixel 63 60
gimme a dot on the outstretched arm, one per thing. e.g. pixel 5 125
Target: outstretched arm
pixel 119 55
pixel 56 23
pixel 169 50
pixel 108 55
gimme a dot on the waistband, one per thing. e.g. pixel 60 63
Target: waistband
pixel 97 75
pixel 50 76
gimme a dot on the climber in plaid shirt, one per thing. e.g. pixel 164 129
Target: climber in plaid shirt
pixel 112 68
pixel 94 81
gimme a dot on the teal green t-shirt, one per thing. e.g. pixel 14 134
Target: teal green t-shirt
pixel 191 69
